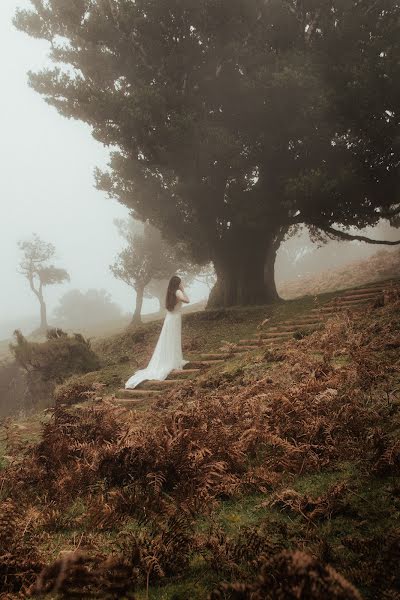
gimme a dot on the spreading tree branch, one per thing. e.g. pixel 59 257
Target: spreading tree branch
pixel 361 238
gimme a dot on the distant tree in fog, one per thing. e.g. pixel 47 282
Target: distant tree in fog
pixel 35 266
pixel 77 309
pixel 145 257
pixel 148 261
pixel 157 287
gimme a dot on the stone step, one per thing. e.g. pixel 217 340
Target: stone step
pixel 276 342
pixel 214 355
pixel 347 306
pixel 343 306
pixel 249 347
pixel 135 394
pixel 276 338
pixel 251 342
pixel 134 403
pixel 279 334
pixel 308 318
pixel 351 301
pixel 234 350
pixel 334 309
pixel 204 364
pixel 183 373
pixel 159 385
pixel 362 291
pixel 295 326
pixel 376 288
pixel 362 296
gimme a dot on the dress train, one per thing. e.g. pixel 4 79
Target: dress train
pixel 167 355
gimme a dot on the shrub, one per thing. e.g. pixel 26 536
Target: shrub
pixel 73 391
pixel 60 356
pixel 12 388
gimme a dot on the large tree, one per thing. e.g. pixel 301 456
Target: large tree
pixel 234 120
pixel 35 266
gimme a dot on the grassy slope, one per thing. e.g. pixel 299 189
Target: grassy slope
pixel 204 331
pixel 368 513
pixel 383 265
pixel 360 519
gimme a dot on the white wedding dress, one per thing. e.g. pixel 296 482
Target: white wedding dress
pixel 167 355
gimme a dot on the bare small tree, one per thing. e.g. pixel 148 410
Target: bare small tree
pixel 36 255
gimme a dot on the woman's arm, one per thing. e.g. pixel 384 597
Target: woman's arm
pixel 180 294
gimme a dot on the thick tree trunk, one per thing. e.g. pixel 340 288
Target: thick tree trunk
pixel 43 315
pixel 245 274
pixel 269 274
pixel 43 309
pixel 137 315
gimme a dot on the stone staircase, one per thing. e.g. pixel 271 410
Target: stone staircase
pixel 152 389
pixel 316 317
pixel 272 335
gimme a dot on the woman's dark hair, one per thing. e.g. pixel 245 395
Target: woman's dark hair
pixel 173 286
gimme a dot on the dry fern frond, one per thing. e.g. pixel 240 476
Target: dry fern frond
pixel 288 576
pixel 75 575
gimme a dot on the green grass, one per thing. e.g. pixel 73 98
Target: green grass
pixel 195 587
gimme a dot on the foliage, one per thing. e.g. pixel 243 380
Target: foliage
pixel 332 502
pixel 12 387
pixel 189 272
pixel 80 310
pixel 36 253
pixel 146 257
pixel 291 576
pixel 60 356
pixel 148 262
pixel 19 563
pixel 236 121
pixel 34 266
pixel 73 391
pixel 96 577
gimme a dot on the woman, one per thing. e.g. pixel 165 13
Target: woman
pixel 168 352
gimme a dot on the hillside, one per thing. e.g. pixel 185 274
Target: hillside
pixel 385 264
pixel 278 468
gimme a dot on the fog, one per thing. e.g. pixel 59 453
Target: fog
pixel 47 165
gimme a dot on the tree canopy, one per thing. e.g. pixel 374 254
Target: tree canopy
pixel 234 121
pixel 148 261
pixel 34 266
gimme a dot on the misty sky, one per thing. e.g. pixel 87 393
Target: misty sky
pixel 47 165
